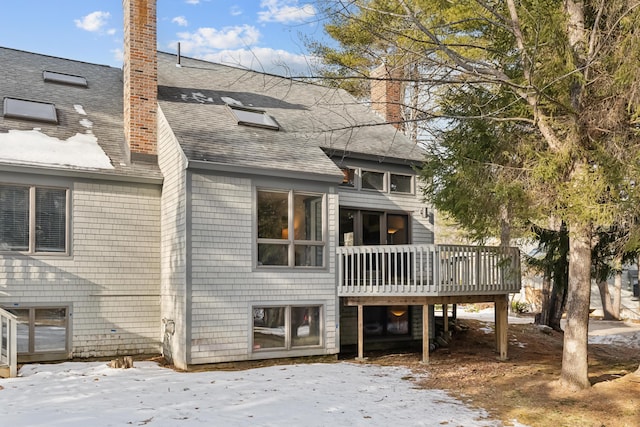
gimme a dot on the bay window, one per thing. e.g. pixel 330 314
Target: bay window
pixel 290 229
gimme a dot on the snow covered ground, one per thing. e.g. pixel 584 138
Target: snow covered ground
pixel 76 394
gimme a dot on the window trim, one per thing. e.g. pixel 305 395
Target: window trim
pixel 290 241
pixel 32 221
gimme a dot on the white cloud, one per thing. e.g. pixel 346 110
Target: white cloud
pixel 235 11
pixel 94 21
pixel 192 1
pixel 285 11
pixel 206 38
pixel 118 55
pixel 273 61
pixel 180 20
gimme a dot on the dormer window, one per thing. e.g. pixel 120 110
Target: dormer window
pixel 30 110
pixel 67 79
pixel 253 117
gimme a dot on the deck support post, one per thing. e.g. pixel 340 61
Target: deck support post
pixel 445 319
pixel 360 332
pixel 501 309
pixel 425 334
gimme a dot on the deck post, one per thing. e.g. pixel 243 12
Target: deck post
pixel 425 334
pixel 501 309
pixel 445 319
pixel 360 332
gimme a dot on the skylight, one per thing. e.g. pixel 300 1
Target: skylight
pixel 30 110
pixel 68 79
pixel 253 117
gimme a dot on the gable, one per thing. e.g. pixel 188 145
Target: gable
pixel 197 96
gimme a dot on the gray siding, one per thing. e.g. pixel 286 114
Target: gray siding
pixel 225 284
pixel 111 278
pixel 173 246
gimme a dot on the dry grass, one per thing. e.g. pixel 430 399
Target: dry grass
pixel 524 387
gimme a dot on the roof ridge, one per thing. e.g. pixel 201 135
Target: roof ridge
pixel 57 57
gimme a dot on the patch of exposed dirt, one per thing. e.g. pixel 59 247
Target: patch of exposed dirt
pixel 525 387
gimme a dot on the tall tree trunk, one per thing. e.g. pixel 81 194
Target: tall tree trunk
pixel 617 294
pixel 558 303
pixel 575 369
pixel 505 227
pixel 545 310
pixel 605 298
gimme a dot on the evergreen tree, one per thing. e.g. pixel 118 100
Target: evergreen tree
pixel 562 95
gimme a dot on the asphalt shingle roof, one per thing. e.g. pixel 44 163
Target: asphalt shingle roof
pixel 21 76
pixel 313 120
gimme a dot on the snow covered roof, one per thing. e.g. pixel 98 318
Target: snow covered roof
pixel 311 121
pixel 88 136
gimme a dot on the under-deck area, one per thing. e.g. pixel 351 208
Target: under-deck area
pixel 424 275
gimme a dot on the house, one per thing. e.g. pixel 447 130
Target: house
pixel 212 214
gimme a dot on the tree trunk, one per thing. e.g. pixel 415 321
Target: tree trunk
pixel 505 227
pixel 545 311
pixel 558 302
pixel 575 369
pixel 617 294
pixel 605 298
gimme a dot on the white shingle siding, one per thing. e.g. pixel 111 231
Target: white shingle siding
pixel 173 251
pixel 225 283
pixel 111 278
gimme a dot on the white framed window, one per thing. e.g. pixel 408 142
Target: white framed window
pixel 290 229
pixel 43 332
pixel 33 219
pixel 286 327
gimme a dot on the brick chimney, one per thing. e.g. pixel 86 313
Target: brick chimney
pixel 140 77
pixel 386 93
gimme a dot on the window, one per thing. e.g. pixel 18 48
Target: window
pixel 33 219
pixel 68 79
pixel 373 180
pixel 401 183
pixel 290 229
pixel 378 181
pixel 286 327
pixel 254 117
pixel 363 227
pixel 349 179
pixel 30 110
pixel 43 332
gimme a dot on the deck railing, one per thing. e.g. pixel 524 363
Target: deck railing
pixel 8 344
pixel 427 270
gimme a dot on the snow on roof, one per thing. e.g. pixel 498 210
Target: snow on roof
pixel 32 147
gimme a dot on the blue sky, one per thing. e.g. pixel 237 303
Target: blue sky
pixel 258 34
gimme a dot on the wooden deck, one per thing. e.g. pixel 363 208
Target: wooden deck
pixel 423 275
